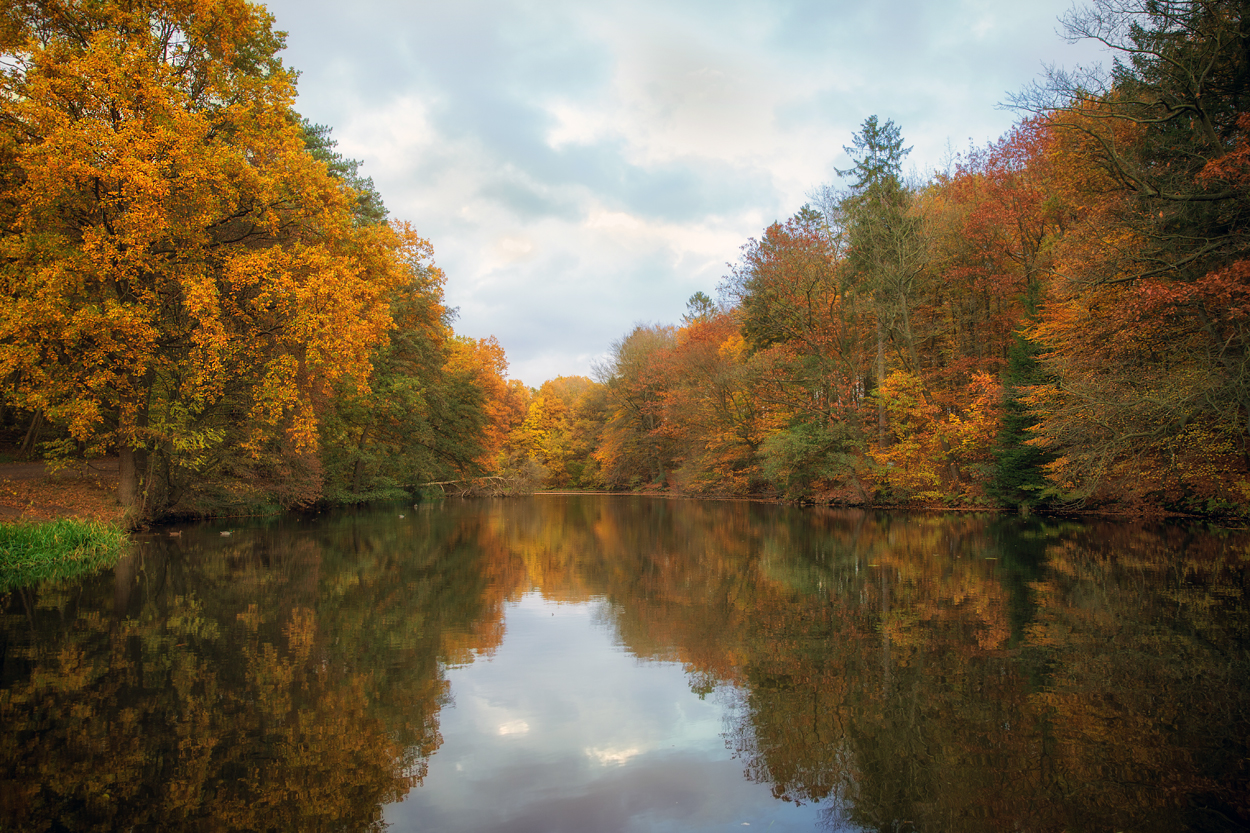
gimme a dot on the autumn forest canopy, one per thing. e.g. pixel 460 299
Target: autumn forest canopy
pixel 196 281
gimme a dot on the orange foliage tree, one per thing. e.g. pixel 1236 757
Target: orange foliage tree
pixel 635 449
pixel 561 431
pixel 505 401
pixel 1146 333
pixel 936 454
pixel 179 275
pixel 994 222
pixel 712 409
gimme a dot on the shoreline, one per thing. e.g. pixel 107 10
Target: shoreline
pixel 87 490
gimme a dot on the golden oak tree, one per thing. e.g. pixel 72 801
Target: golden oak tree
pixel 560 431
pixel 179 275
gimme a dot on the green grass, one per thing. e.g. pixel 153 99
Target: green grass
pixel 57 550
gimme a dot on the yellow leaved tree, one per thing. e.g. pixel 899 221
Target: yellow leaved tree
pixel 180 280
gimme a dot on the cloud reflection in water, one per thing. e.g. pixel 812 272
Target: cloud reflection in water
pixel 564 729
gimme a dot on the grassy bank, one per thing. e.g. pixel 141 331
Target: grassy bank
pixel 59 549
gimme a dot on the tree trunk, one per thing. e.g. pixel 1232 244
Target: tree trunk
pixel 358 471
pixel 128 477
pixel 134 478
pixel 27 449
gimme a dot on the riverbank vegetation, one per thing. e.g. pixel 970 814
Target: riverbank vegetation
pixel 197 282
pixel 60 549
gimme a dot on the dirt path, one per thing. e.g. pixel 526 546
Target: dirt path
pixel 29 492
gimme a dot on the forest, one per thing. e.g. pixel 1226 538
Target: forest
pixel 196 281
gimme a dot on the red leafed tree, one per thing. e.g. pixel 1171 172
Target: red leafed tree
pixel 1146 332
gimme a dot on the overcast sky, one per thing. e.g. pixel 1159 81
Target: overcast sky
pixel 583 166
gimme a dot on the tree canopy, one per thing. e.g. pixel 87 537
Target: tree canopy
pixel 193 276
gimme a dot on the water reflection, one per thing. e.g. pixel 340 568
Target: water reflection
pixel 896 672
pixel 564 731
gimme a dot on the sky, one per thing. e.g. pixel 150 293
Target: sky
pixel 582 167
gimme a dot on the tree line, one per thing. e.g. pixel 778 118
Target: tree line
pixel 195 280
pixel 1059 317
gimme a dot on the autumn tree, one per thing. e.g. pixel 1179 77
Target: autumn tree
pixel 505 401
pixel 993 223
pixel 1146 334
pixel 806 328
pixel 634 449
pixel 561 431
pixel 183 281
pixel 712 405
pixel 937 454
pixel 425 414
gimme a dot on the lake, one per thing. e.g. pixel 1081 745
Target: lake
pixel 621 663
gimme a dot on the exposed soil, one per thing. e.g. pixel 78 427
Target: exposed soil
pixel 88 490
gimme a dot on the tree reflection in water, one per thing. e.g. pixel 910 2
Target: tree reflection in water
pixel 275 679
pixel 906 672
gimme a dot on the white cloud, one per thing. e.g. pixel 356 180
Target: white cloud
pixel 581 167
pixel 514 727
pixel 575 125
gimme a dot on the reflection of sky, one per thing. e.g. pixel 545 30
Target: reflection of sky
pixel 562 730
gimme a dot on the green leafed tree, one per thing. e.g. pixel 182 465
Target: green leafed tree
pixel 886 252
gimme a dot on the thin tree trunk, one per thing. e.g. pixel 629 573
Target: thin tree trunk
pixel 358 470
pixel 27 448
pixel 881 421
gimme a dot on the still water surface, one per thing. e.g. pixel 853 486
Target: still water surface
pixel 600 663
